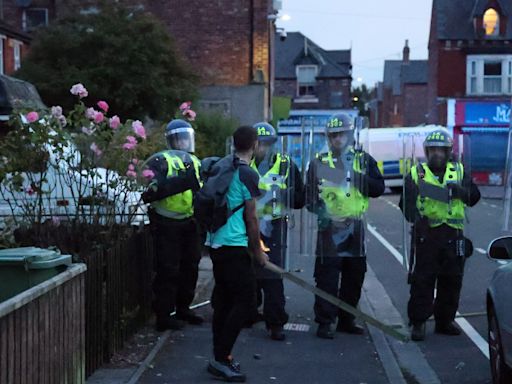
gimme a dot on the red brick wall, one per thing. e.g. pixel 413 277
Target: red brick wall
pixel 415 104
pixel 224 41
pixel 451 80
pixel 8 52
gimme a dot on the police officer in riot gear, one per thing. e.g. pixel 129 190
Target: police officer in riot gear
pixel 434 200
pixel 177 242
pixel 339 185
pixel 281 189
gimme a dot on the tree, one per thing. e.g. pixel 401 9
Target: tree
pixel 126 58
pixel 361 96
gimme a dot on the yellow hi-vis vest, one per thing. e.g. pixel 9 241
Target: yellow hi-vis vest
pixel 438 212
pixel 177 206
pixel 266 206
pixel 343 200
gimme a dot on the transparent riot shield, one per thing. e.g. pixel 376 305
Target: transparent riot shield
pixel 337 194
pixel 409 159
pixel 274 206
pixel 507 184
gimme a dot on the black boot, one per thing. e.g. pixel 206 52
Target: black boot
pixel 276 332
pixel 324 331
pixel 448 329
pixel 349 327
pixel 418 332
pixel 189 316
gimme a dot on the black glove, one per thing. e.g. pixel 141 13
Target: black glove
pixel 360 181
pixel 458 191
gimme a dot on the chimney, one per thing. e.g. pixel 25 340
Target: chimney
pixel 406 52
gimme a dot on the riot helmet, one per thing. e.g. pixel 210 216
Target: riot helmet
pixel 267 137
pixel 180 135
pixel 438 147
pixel 339 132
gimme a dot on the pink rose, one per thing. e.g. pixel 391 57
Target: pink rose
pixel 131 173
pixel 148 174
pixel 94 147
pixel 114 122
pixel 131 167
pixel 131 143
pixel 103 106
pixel 32 116
pixel 190 114
pixel 79 90
pixel 186 105
pixel 99 117
pixel 57 111
pixel 90 113
pixel 139 129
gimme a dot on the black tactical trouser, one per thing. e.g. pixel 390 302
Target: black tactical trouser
pixel 178 254
pixel 270 288
pixel 327 276
pixel 435 263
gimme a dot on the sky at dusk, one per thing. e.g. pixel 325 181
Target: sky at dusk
pixel 375 30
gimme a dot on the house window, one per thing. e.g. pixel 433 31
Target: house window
pixel 17 55
pixel 491 22
pixel 306 80
pixel 489 74
pixel 34 18
pixel 336 100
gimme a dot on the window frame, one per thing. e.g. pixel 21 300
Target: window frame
pixel 307 85
pixel 16 47
pixel 24 18
pixel 475 80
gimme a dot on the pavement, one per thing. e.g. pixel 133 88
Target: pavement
pixel 181 357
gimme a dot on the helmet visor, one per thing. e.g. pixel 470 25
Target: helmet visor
pixel 182 139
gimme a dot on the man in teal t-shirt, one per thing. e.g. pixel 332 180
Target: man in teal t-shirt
pixel 234 295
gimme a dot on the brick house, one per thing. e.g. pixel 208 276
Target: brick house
pixel 13 46
pixel 470 79
pixel 400 100
pixel 227 42
pixel 312 77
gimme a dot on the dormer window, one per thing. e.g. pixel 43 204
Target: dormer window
pixel 491 23
pixel 306 80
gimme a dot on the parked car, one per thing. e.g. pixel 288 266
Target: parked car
pixel 499 311
pixel 16 93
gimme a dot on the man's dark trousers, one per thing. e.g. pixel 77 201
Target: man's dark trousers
pixel 233 298
pixel 436 264
pixel 178 254
pixel 327 276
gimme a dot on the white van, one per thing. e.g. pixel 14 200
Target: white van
pixel 70 194
pixel 390 146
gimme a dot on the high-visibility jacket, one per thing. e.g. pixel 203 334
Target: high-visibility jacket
pixel 271 204
pixel 178 206
pixel 343 200
pixel 438 212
